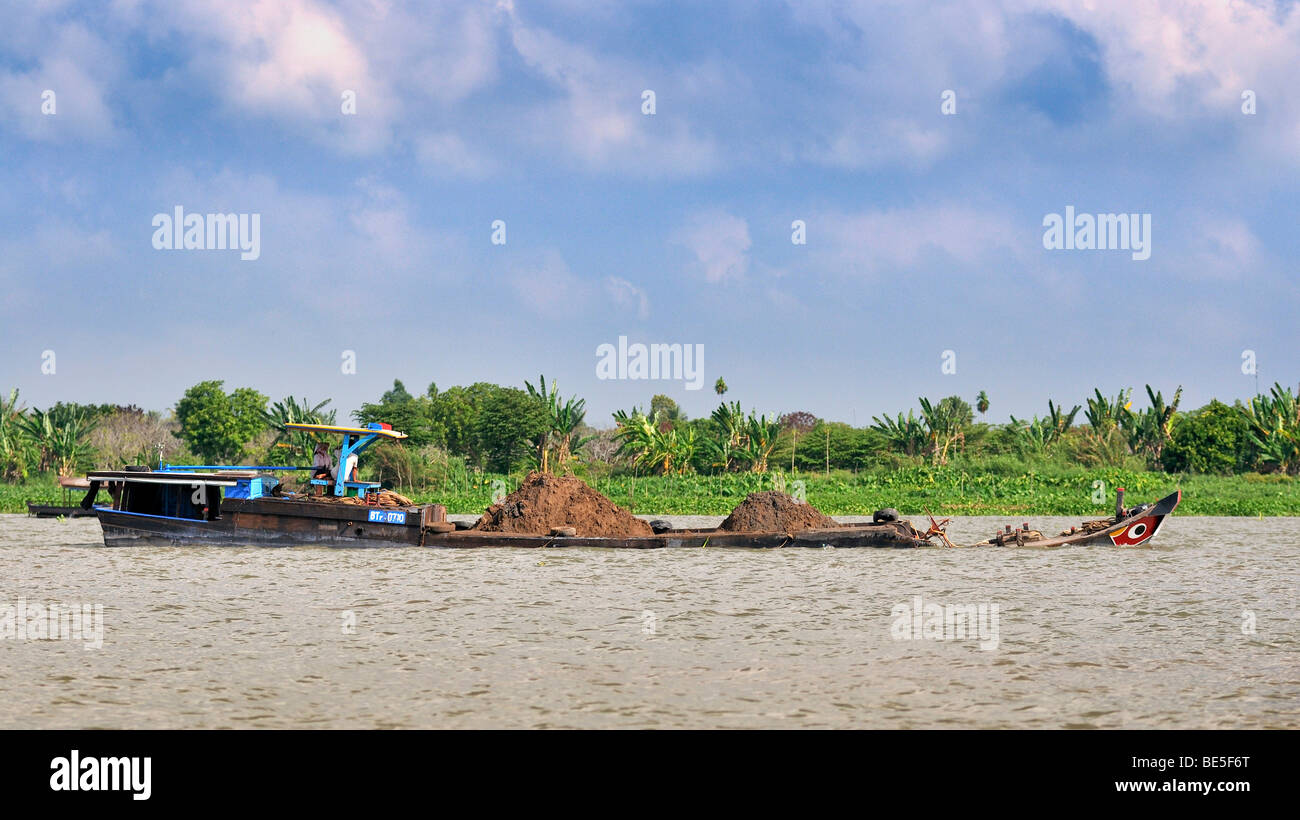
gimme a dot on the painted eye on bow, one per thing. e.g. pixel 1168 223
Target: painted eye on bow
pixel 1137 532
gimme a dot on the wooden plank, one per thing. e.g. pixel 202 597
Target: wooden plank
pixel 316 509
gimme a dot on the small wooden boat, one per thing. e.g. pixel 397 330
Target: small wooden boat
pixel 1128 528
pixel 67 509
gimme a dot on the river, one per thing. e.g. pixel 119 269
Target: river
pixel 1199 631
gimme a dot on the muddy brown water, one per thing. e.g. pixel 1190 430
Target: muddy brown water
pixel 1201 630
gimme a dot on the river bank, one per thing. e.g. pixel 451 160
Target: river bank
pixel 944 490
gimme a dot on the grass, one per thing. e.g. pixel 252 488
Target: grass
pixel 945 490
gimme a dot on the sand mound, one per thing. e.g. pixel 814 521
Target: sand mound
pixel 546 501
pixel 775 512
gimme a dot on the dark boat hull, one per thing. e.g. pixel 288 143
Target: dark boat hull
pixel 887 535
pixel 270 522
pixel 275 523
pixel 53 511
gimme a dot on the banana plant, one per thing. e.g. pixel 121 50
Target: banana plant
pixel 907 435
pixel 1105 414
pixel 1151 429
pixel 563 420
pixel 760 439
pixel 16 453
pixel 642 438
pixel 945 424
pixel 1274 423
pixel 727 446
pixel 1033 436
pixel 1039 435
pixel 295 446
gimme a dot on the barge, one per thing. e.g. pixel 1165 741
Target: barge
pixel 222 505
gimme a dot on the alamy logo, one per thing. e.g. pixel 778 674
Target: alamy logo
pixel 1103 232
pixel 75 773
pixel 683 362
pixel 68 622
pixel 179 231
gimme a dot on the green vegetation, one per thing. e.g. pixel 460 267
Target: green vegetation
pixel 216 426
pixel 1240 459
pixel 950 490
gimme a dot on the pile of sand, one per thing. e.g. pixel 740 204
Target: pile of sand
pixel 546 501
pixel 775 512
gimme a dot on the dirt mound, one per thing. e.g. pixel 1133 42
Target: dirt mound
pixel 775 512
pixel 546 501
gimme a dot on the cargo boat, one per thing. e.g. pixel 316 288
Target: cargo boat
pixel 228 505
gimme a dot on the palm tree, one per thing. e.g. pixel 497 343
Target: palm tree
pixel 563 420
pixel 720 387
pixel 292 446
pixel 982 403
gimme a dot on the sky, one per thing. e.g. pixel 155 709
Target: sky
pixel 381 148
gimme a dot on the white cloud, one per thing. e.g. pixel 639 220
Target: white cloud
pixel 444 153
pixel 543 283
pixel 74 63
pixel 1218 246
pixel 899 239
pixel 597 118
pixel 719 242
pixel 1184 60
pixel 627 295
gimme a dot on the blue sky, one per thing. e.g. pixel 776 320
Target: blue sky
pixel 924 230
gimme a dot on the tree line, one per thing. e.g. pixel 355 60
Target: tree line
pixel 485 427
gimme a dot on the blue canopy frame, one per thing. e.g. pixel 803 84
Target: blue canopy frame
pixel 356 440
pixel 353 445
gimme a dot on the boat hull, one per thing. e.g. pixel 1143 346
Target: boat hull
pixel 54 511
pixel 273 522
pixel 879 536
pixel 1132 531
pixel 292 524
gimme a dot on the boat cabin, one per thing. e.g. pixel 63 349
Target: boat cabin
pixel 195 492
pixel 165 492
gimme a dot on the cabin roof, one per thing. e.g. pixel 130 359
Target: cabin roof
pixel 223 479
